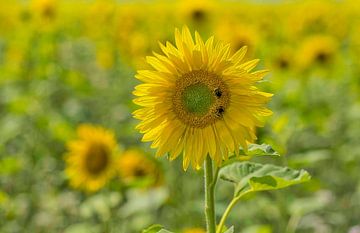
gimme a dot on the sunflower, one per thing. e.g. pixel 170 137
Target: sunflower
pixel 91 159
pixel 135 166
pixel 317 49
pixel 283 58
pixel 238 35
pixel 199 100
pixel 194 230
pixel 195 12
pixel 45 8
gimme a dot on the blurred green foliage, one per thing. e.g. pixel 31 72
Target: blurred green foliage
pixel 63 63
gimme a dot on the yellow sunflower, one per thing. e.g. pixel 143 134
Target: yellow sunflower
pixel 317 49
pixel 134 166
pixel 91 159
pixel 194 230
pixel 199 99
pixel 195 12
pixel 45 8
pixel 238 35
pixel 283 58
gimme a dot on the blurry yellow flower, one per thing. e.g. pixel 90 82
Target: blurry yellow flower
pixel 101 12
pixel 134 165
pixel 9 17
pixel 317 49
pixel 44 8
pixel 238 35
pixel 126 20
pixel 138 44
pixel 199 99
pixel 91 159
pixel 283 58
pixel 195 12
pixel 314 17
pixel 194 230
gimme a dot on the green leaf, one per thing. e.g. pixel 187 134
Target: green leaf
pixel 164 231
pixel 258 229
pixel 252 151
pixel 230 230
pixel 10 165
pixel 253 177
pixel 260 150
pixel 156 229
pixel 153 229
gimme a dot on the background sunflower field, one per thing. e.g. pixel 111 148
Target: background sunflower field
pixel 66 65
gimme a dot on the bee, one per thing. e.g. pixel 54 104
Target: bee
pixel 217 92
pixel 220 111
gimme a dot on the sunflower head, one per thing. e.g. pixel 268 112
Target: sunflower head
pixel 91 158
pixel 196 12
pixel 135 167
pixel 283 59
pixel 46 9
pixel 238 35
pixel 199 100
pixel 317 50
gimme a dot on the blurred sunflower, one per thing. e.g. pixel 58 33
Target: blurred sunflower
pixel 200 99
pixel 46 9
pixel 194 230
pixel 136 168
pixel 101 13
pixel 283 59
pixel 317 49
pixel 91 159
pixel 238 35
pixel 195 12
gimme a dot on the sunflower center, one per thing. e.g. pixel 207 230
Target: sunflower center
pixel 96 159
pixel 200 98
pixel 197 98
pixel 322 57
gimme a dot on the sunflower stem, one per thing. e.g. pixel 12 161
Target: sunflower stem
pixel 226 214
pixel 231 205
pixel 209 196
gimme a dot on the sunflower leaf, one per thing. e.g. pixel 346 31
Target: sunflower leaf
pixel 251 177
pixel 259 150
pixel 154 229
pixel 252 151
pixel 230 230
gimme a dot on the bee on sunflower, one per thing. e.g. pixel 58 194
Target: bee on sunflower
pixel 91 158
pixel 199 100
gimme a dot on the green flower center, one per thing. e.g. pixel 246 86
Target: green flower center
pixel 197 99
pixel 200 98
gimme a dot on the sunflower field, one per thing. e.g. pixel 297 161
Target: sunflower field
pixel 134 116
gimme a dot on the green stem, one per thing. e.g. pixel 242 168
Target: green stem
pixel 210 181
pixel 293 223
pixel 227 212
